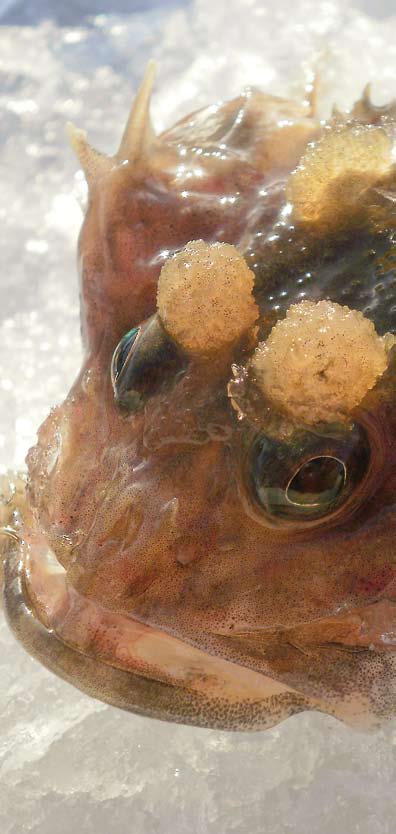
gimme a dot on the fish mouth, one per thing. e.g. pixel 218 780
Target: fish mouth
pixel 127 664
pixel 145 670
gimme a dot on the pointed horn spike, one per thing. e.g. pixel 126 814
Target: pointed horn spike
pixel 139 134
pixel 366 94
pixel 94 164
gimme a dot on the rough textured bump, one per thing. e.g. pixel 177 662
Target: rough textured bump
pixel 320 361
pixel 205 296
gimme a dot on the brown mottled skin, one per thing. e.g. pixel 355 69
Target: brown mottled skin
pixel 150 513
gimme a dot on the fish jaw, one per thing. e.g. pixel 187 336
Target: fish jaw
pixel 145 670
pixel 130 665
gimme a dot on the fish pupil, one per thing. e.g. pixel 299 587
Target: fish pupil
pixel 318 482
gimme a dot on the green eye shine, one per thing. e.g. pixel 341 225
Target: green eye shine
pixel 122 353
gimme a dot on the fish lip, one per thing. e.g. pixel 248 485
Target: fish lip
pixel 117 687
pixel 141 694
pixel 136 693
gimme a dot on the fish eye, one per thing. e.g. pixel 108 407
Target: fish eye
pixel 122 353
pixel 309 477
pixel 145 360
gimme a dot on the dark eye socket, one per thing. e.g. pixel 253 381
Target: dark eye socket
pixel 309 477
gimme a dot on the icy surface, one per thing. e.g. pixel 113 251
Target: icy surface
pixel 68 763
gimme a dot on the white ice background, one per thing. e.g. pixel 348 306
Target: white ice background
pixel 68 763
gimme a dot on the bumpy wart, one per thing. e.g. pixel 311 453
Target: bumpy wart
pixel 320 361
pixel 205 296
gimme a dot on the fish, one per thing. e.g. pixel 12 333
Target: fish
pixel 207 533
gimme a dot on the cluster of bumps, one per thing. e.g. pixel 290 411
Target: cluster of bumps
pixel 317 363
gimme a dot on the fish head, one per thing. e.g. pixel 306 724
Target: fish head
pixel 211 517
